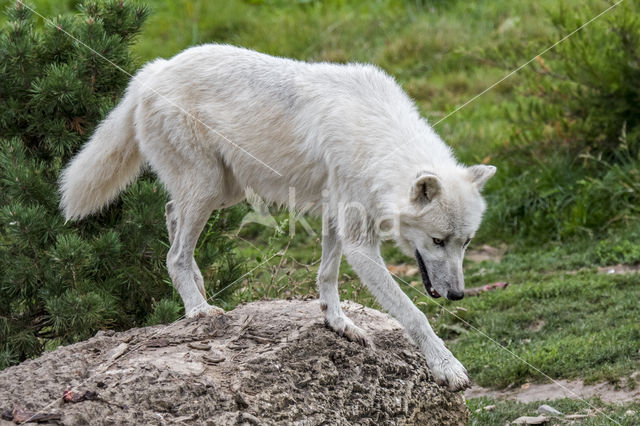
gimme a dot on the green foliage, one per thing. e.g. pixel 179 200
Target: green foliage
pixel 216 248
pixel 625 252
pixel 586 91
pixel 577 122
pixel 62 282
pixel 164 312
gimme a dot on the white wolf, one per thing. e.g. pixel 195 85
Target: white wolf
pixel 217 119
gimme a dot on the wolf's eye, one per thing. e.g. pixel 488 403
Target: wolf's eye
pixel 466 243
pixel 438 242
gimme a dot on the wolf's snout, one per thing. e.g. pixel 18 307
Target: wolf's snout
pixel 455 294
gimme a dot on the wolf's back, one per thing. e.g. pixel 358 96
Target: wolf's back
pixel 105 165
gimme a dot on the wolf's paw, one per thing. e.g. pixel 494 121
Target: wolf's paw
pixel 451 373
pixel 204 310
pixel 346 328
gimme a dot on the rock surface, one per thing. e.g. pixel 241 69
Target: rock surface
pixel 263 363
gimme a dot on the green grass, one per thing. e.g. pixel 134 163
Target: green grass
pixel 576 326
pixel 439 51
pixel 507 411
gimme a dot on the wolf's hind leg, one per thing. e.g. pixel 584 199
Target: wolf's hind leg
pixel 334 318
pixel 190 215
pixel 172 225
pixel 197 189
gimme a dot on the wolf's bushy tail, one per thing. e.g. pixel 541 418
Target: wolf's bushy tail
pixel 105 165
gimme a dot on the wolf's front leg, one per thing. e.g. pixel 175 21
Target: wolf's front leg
pixel 328 287
pixel 368 264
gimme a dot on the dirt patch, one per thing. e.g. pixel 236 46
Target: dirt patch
pixel 486 252
pixel 262 363
pixel 403 270
pixel 572 389
pixel 536 325
pixel 619 269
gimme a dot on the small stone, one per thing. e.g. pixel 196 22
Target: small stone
pixel 199 346
pixel 487 408
pixel 548 410
pixel 118 351
pixel 629 413
pixel 114 354
pixel 215 358
pixel 528 420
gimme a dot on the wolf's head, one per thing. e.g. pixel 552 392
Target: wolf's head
pixel 443 214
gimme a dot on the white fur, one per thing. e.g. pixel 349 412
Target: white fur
pixel 216 120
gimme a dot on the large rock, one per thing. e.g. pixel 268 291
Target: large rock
pixel 262 363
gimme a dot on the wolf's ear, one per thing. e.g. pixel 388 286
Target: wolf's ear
pixel 425 188
pixel 480 174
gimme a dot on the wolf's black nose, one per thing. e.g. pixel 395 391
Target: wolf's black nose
pixel 455 295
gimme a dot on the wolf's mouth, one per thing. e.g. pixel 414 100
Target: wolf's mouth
pixel 425 277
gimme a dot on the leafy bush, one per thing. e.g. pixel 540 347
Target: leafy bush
pixel 625 251
pixel 577 122
pixel 62 282
pixel 585 93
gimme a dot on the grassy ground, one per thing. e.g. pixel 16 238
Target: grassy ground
pixel 600 414
pixel 567 324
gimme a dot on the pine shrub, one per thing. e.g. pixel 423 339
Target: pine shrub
pixel 60 283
